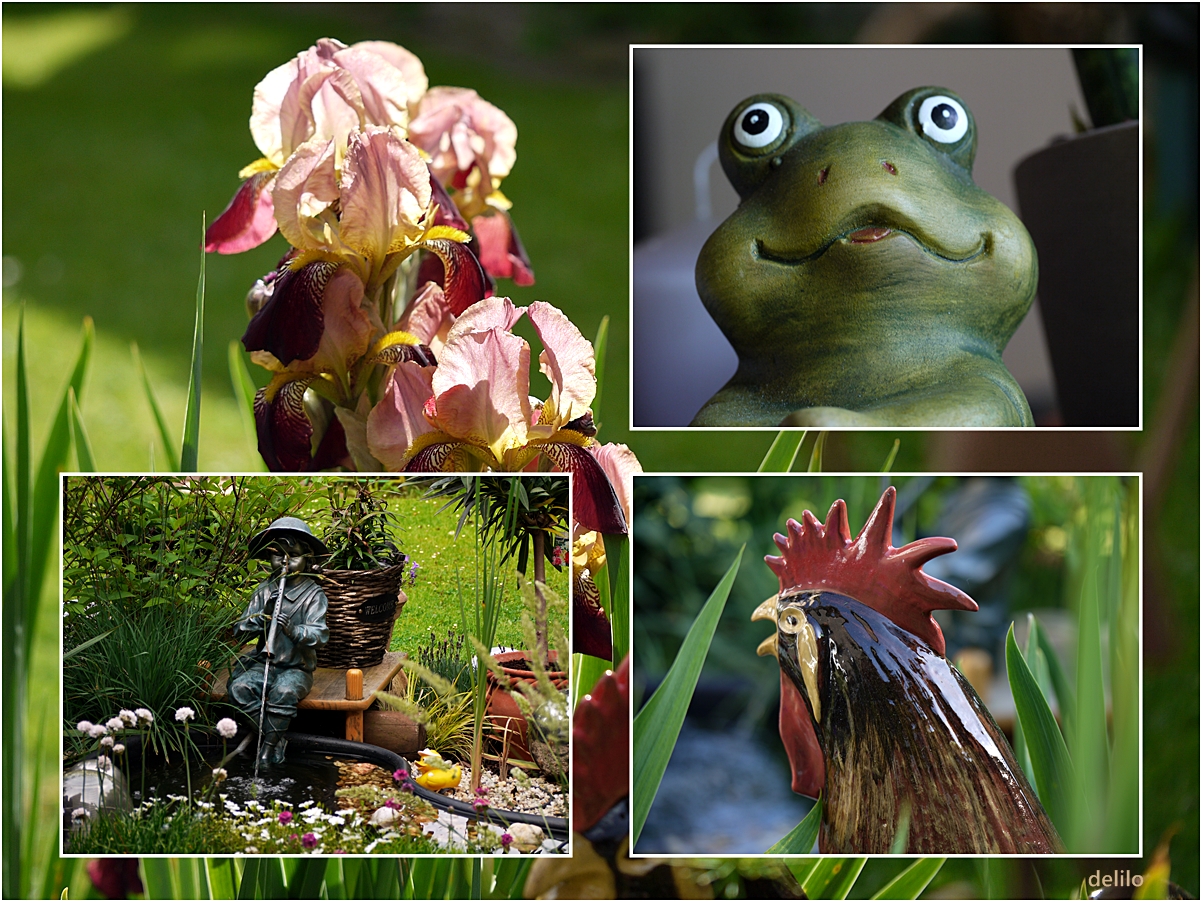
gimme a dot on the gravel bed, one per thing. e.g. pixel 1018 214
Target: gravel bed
pixel 533 795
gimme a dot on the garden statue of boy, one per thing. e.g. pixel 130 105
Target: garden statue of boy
pixel 288 660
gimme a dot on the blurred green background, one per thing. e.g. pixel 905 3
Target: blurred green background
pixel 123 124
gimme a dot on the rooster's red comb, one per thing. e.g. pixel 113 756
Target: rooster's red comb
pixel 868 568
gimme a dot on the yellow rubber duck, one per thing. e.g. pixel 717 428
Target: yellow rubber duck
pixel 435 773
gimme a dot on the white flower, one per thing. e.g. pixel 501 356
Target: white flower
pixel 115 724
pixel 227 728
pixel 104 763
pixel 97 730
pixel 107 742
pixel 118 749
pixel 251 850
pixel 220 773
pixel 144 716
pixel 130 717
pixel 79 813
pixel 183 715
pixel 84 726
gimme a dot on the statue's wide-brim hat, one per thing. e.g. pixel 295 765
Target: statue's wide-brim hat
pixel 286 528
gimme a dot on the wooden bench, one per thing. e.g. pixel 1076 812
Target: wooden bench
pixel 335 689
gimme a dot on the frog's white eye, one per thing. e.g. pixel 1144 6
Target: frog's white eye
pixel 943 119
pixel 759 125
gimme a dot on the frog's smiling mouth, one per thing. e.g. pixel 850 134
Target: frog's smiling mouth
pixel 867 233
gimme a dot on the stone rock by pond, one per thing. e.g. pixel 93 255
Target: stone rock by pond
pixel 90 786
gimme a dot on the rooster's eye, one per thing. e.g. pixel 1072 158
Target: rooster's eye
pixel 791 620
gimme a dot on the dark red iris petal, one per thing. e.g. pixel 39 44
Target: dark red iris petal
pixel 437 458
pixel 591 634
pixel 247 222
pixel 594 504
pixel 331 450
pixel 290 323
pixel 285 433
pixel 464 281
pixel 600 748
pixel 115 878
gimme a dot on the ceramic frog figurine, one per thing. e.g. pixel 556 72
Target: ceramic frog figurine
pixel 864 279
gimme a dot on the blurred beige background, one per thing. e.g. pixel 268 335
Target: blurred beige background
pixel 1021 99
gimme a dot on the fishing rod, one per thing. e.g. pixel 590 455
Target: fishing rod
pixel 275 622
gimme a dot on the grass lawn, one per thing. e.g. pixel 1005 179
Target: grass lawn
pixel 446 565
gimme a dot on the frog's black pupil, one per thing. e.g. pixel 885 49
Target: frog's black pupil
pixel 755 122
pixel 944 117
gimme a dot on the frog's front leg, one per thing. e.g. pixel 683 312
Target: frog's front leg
pixel 962 399
pixel 834 416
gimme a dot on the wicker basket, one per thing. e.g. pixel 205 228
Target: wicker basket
pixel 362 607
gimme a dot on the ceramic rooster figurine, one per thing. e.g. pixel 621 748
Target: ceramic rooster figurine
pixel 872 713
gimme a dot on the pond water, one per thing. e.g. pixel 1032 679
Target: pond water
pixel 304 776
pixel 725 792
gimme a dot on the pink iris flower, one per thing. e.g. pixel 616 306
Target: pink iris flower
pixel 325 93
pixel 316 317
pixel 474 410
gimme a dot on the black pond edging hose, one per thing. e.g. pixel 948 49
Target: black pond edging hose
pixel 557 827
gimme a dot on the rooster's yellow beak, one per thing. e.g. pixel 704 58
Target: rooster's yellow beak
pixel 807 647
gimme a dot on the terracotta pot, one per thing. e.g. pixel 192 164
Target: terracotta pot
pixel 502 707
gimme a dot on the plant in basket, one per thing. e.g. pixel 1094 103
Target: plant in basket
pixel 363 575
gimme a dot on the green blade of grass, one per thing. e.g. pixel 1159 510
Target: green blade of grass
pixel 1065 696
pixel 1122 820
pixel 16 569
pixel 190 878
pixel 248 887
pixel 1089 741
pixel 222 879
pixel 157 879
pixel 1019 745
pixel 1054 776
pixel 244 395
pixel 901 837
pixel 910 883
pixel 586 670
pixel 599 346
pixel 658 725
pixel 816 455
pixel 159 420
pixel 888 464
pixel 79 437
pixel 800 840
pixel 190 445
pixel 617 558
pixel 783 452
pixel 307 878
pixel 336 878
pixel 89 643
pixel 833 878
pixel 509 877
pixel 45 499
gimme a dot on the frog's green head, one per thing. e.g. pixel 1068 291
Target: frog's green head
pixel 865 234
